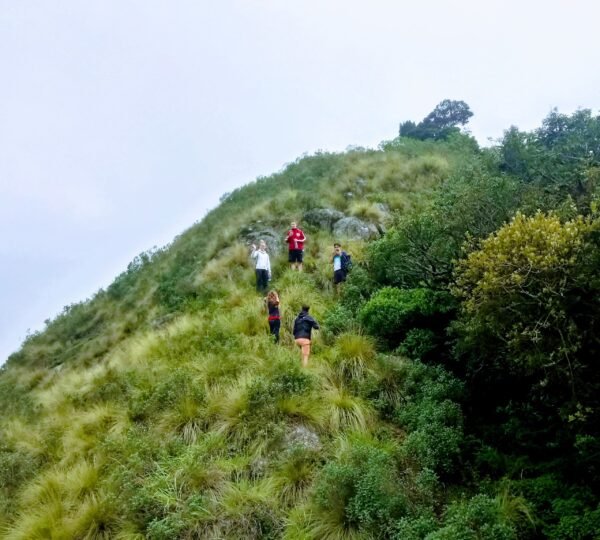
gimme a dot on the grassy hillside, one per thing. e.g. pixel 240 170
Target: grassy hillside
pixel 161 409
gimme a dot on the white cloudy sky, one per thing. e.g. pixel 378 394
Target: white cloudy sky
pixel 123 121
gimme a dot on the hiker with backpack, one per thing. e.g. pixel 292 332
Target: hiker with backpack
pixel 342 263
pixel 263 266
pixel 272 301
pixel 295 239
pixel 303 327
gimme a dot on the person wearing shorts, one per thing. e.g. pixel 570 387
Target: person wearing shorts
pixel 303 327
pixel 295 239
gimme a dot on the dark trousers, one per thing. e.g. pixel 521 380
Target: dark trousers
pixel 275 325
pixel 262 280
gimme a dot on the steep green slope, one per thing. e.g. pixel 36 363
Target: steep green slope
pixel 161 409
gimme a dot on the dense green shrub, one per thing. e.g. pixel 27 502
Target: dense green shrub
pixel 476 519
pixel 527 332
pixel 357 289
pixel 361 491
pixel 415 253
pixel 391 312
pixel 418 343
pixel 435 433
pixel 578 524
pixel 557 159
pixel 338 319
pixel 562 510
pixel 416 528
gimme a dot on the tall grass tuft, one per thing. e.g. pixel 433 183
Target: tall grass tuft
pixel 367 211
pixel 345 411
pixel 247 510
pixel 96 518
pixel 294 474
pixel 353 356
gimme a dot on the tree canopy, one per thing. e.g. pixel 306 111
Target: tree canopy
pixel 445 119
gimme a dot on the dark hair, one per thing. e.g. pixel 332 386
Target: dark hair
pixel 305 308
pixel 337 244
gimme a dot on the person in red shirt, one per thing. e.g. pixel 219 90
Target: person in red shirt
pixel 295 239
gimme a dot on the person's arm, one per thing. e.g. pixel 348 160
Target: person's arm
pixel 314 323
pixel 254 254
pixel 303 239
pixel 269 265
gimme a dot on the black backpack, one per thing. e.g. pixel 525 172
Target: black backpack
pixel 346 262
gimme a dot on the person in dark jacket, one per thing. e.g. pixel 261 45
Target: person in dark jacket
pixel 340 260
pixel 303 327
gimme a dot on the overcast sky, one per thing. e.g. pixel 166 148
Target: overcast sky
pixel 122 122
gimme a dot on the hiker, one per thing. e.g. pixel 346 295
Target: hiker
pixel 303 326
pixel 263 266
pixel 342 263
pixel 272 300
pixel 295 239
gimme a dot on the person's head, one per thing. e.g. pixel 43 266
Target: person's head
pixel 294 225
pixel 337 248
pixel 272 296
pixel 305 308
pixel 262 245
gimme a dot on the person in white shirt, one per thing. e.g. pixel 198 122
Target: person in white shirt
pixel 263 266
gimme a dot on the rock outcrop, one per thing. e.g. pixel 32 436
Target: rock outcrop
pixel 354 229
pixel 323 218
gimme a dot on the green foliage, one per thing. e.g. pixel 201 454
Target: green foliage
pixel 418 343
pixel 476 519
pixel 439 123
pixel 415 252
pixel 414 528
pixel 556 160
pixel 392 312
pixel 530 293
pixel 435 434
pixel 357 290
pixel 339 319
pixel 421 247
pixel 358 492
pixel 524 283
pixel 561 510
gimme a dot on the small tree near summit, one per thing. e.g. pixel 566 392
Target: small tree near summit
pixel 445 119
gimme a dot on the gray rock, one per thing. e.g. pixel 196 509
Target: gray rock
pixel 303 437
pixel 258 467
pixel 323 218
pixel 355 229
pixel 383 208
pixel 361 182
pixel 254 233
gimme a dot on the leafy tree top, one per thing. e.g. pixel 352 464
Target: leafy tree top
pixel 445 119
